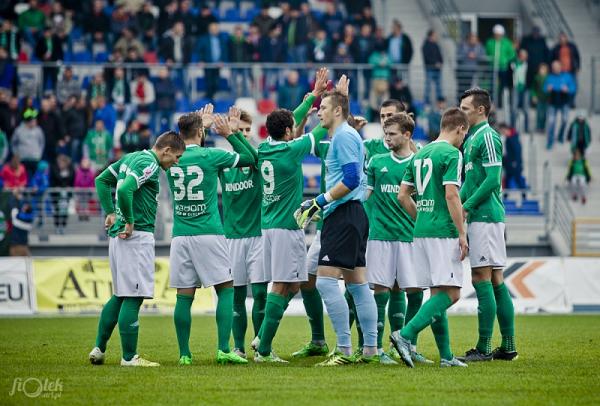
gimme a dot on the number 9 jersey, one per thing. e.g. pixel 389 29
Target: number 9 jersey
pixel 193 184
pixel 433 167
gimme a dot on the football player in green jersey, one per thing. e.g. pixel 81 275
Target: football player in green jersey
pixel 484 211
pixel 242 199
pixel 440 240
pixel 390 266
pixel 130 224
pixel 199 253
pixel 280 163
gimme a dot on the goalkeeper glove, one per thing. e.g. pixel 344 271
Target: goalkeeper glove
pixel 309 209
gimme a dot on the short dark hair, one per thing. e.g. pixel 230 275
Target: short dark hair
pixel 278 121
pixel 481 97
pixel 338 99
pixel 245 116
pixel 189 124
pixel 170 139
pixel 405 121
pixel 454 118
pixel 394 102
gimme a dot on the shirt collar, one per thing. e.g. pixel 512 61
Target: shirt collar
pixel 153 154
pixel 475 128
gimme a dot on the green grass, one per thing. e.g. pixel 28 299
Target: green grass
pixel 558 364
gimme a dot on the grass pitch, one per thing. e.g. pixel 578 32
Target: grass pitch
pixel 558 364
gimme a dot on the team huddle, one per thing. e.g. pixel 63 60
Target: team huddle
pixel 390 217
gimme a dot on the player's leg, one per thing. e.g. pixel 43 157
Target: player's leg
pixel 238 255
pixel 366 308
pixel 259 280
pixel 135 268
pixel 440 330
pixel 210 258
pixel 240 319
pixel 182 318
pixel 259 294
pixel 313 304
pixel 506 318
pixel 354 319
pixel 184 278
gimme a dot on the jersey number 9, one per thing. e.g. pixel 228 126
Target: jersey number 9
pixel 268 175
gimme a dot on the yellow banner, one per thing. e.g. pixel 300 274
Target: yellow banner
pixel 79 285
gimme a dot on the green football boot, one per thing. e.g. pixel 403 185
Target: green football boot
pixel 311 350
pixel 185 360
pixel 229 358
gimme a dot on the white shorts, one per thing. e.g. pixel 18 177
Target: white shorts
pixel 437 261
pixel 389 262
pixel 312 258
pixel 284 253
pixel 132 265
pixel 199 260
pixel 246 256
pixel 486 245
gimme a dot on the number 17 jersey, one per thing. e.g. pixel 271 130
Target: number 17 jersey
pixel 193 184
pixel 433 167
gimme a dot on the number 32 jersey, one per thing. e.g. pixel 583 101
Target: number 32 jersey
pixel 433 167
pixel 193 184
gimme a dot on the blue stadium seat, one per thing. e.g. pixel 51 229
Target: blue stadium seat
pixel 232 15
pixel 251 13
pixel 182 104
pixel 224 85
pixel 527 208
pixel 419 134
pixel 101 57
pixel 200 83
pixel 355 108
pixel 75 33
pixel 83 56
pixel 222 106
pixel 198 104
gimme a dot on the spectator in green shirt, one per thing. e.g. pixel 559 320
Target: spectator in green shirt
pixel 501 52
pixel 98 146
pixel 31 22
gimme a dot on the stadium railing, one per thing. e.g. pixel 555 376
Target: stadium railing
pixel 586 237
pixel 560 220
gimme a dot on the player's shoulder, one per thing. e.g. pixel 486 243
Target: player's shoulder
pixel 379 158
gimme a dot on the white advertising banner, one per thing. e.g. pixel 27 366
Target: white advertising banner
pixel 17 289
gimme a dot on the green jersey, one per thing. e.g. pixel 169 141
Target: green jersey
pixel 432 168
pixel 143 166
pixel 193 184
pixel 483 149
pixel 280 165
pixel 321 152
pixel 578 167
pixel 242 198
pixel 98 146
pixel 388 221
pixel 374 147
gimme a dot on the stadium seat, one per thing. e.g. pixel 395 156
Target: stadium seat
pixel 101 57
pixel 372 131
pixel 419 134
pixel 222 106
pixel 83 56
pixel 266 106
pixel 150 57
pixel 224 85
pixel 198 104
pixel 355 108
pixel 232 15
pixel 251 13
pixel 182 104
pixel 200 84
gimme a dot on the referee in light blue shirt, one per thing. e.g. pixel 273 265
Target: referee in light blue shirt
pixel 345 231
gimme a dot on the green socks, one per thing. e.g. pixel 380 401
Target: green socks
pixel 415 300
pixel 224 315
pixel 397 310
pixel 108 320
pixel 354 317
pixel 314 310
pixel 240 319
pixel 434 307
pixel 129 325
pixel 442 336
pixel 486 315
pixel 274 310
pixel 381 300
pixel 182 316
pixel 259 293
pixel 506 317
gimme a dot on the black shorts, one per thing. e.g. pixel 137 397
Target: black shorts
pixel 344 236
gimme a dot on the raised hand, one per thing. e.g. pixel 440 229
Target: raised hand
pixel 321 82
pixel 206 113
pixel 234 118
pixel 221 123
pixel 359 122
pixel 343 85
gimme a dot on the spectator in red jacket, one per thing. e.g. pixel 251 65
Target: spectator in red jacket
pixel 14 175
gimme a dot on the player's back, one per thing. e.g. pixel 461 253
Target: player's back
pixel 280 165
pixel 433 167
pixel 193 182
pixel 144 167
pixel 242 198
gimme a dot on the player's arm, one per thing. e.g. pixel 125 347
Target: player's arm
pixel 406 200
pixel 456 212
pixel 104 184
pixel 370 180
pixel 227 127
pixel 491 157
pixel 125 193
